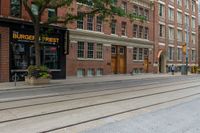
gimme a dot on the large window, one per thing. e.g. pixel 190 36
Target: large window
pixel 15 8
pixel 99 23
pixel 113 27
pixel 80 50
pixel 124 6
pixel 180 35
pixel 179 54
pixel 80 20
pixel 135 30
pixel 186 4
pixel 99 51
pixel 171 33
pixel 193 23
pixel 123 28
pixel 23 55
pixel 170 53
pixel 193 55
pixel 162 31
pixel 139 53
pixel 193 6
pixel 90 50
pixel 146 33
pixel 161 10
pixel 90 22
pixel 179 17
pixel 179 3
pixel 52 13
pixel 171 14
pixel 140 35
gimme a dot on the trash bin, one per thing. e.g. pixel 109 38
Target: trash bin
pixel 183 70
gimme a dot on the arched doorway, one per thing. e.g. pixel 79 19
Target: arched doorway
pixel 162 63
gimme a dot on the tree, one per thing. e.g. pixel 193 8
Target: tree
pixel 36 8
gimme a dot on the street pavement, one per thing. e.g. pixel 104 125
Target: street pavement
pixel 182 118
pixel 74 107
pixel 76 80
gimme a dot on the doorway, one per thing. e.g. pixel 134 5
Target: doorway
pixel 118 59
pixel 162 63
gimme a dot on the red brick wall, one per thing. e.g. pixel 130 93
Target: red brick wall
pixel 4 54
pixel 73 63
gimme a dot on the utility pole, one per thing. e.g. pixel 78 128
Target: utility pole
pixel 187 44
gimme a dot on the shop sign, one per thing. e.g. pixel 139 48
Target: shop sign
pixel 29 38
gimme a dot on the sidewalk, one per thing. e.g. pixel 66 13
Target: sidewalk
pixel 76 80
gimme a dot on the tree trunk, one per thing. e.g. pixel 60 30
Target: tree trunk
pixel 36 43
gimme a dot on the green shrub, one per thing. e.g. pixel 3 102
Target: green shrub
pixel 39 72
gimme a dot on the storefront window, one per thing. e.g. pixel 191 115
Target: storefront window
pixel 15 8
pixel 50 57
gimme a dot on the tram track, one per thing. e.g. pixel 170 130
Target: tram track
pixel 125 90
pixel 98 104
pixel 115 114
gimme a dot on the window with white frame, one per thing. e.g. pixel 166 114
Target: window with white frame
pixel 186 20
pixel 193 39
pixel 99 51
pixel 80 72
pixel 162 30
pixel 80 21
pixel 135 53
pixel 146 14
pixel 99 24
pixel 179 2
pixel 186 4
pixel 171 14
pixel 124 6
pixel 90 72
pixel 179 54
pixel 179 35
pixel 90 50
pixel 135 10
pixel 135 30
pixel 140 35
pixel 161 10
pixel 80 50
pixel 171 33
pixel 146 33
pixel 193 5
pixel 193 23
pixel 193 55
pixel 179 17
pixel 140 54
pixel 170 53
pixel 90 22
pixel 99 72
pixel 113 27
pixel 123 28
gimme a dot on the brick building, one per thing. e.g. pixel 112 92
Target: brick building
pixel 172 20
pixel 16 42
pixel 97 47
pixel 116 46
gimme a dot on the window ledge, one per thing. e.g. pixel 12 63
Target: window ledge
pixel 88 59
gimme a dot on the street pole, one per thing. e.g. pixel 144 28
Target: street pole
pixel 187 44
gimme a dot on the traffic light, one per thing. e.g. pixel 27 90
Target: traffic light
pixel 184 48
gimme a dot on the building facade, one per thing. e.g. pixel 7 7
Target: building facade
pixel 17 38
pixel 175 23
pixel 115 46
pixel 150 43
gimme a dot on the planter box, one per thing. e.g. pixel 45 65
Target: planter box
pixel 38 81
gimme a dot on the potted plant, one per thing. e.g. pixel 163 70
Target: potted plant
pixel 38 75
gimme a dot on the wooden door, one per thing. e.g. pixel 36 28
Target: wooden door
pixel 146 65
pixel 122 60
pixel 114 59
